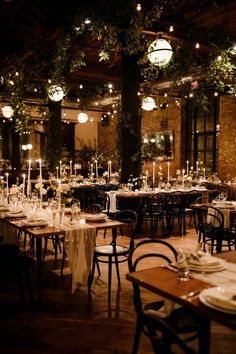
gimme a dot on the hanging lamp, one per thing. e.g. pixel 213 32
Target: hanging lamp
pixel 160 52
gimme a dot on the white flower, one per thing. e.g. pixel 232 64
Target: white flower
pixel 14 189
pixel 65 188
pixel 39 185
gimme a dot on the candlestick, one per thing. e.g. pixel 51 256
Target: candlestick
pixel 70 167
pixel 23 183
pixel 168 172
pixel 183 172
pixel 91 171
pixel 109 170
pixel 40 179
pixel 187 163
pixel 96 168
pixel 57 172
pixel 197 168
pixel 60 168
pixel 28 180
pixel 146 177
pixel 7 185
pixel 153 173
pixel 204 174
pixel 75 166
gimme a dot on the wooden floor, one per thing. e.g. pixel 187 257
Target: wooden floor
pixel 75 323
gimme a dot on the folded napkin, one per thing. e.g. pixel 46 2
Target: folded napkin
pixel 165 311
pixel 17 214
pixel 35 222
pixel 224 298
pixel 204 260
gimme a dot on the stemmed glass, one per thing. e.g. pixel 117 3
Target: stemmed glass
pixel 75 209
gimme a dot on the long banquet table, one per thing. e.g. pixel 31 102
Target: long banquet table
pixel 166 283
pixel 79 243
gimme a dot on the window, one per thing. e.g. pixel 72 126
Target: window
pixel 202 130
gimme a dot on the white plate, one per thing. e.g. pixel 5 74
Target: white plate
pixel 95 217
pixel 31 223
pixel 213 291
pixel 222 265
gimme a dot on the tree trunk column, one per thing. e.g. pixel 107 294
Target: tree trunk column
pixel 54 135
pixel 130 119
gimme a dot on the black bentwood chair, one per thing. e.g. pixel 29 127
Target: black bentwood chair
pixel 115 252
pixel 163 332
pixel 18 268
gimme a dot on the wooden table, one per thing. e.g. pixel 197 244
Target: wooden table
pixel 165 283
pixel 38 233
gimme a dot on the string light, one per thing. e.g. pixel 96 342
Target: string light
pixel 197 45
pixel 139 7
pixel 171 28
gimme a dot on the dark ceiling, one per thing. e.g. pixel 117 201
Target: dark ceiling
pixel 26 25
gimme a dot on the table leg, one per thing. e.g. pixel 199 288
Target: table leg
pixel 204 335
pixel 39 267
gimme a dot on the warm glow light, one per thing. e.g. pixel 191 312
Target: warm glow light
pixel 148 104
pixel 7 111
pixel 29 146
pixel 160 52
pixel 55 93
pixel 82 117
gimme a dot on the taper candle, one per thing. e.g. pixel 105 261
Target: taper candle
pixel 7 185
pixel 187 163
pixel 57 171
pixel 153 173
pixel 60 168
pixel 168 171
pixel 28 180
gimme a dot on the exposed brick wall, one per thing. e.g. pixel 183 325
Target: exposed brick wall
pixel 227 138
pixel 151 122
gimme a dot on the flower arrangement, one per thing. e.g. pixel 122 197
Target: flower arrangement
pixel 39 188
pixel 2 182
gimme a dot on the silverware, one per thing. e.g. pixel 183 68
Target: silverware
pixel 191 295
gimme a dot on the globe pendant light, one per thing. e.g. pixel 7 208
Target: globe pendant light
pixel 82 117
pixel 160 52
pixel 55 93
pixel 7 111
pixel 148 104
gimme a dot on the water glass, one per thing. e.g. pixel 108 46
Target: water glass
pixel 183 265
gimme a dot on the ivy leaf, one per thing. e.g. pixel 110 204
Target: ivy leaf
pixel 103 55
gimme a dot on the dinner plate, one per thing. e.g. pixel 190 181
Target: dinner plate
pixel 39 222
pixel 201 268
pixel 4 208
pixel 95 217
pixel 205 295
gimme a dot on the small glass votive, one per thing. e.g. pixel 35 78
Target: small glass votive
pixel 82 220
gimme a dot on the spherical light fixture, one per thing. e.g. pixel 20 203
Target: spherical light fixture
pixel 55 93
pixel 24 147
pixel 29 146
pixel 82 117
pixel 148 104
pixel 160 52
pixel 7 111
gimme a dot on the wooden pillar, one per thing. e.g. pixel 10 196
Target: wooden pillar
pixel 130 118
pixel 54 135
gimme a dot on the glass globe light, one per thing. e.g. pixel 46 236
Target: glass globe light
pixel 160 52
pixel 82 117
pixel 24 147
pixel 7 111
pixel 29 146
pixel 148 104
pixel 55 93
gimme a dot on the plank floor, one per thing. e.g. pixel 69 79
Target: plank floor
pixel 76 323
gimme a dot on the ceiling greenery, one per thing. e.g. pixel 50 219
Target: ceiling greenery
pixel 112 26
